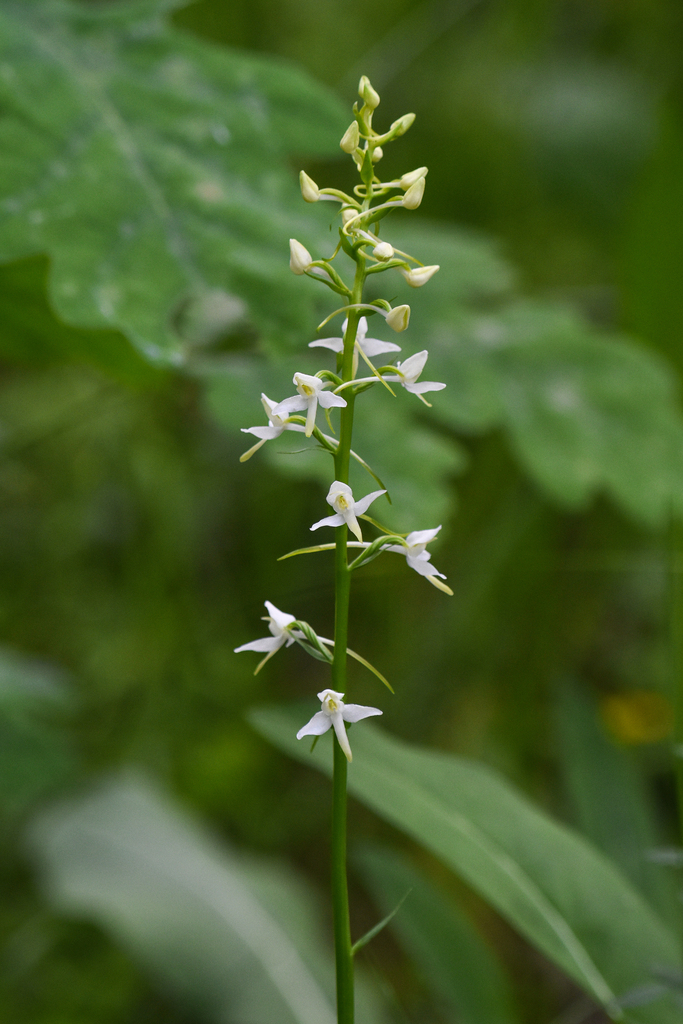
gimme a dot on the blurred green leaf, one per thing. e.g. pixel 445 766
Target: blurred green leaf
pixel 555 888
pixel 608 797
pixel 152 168
pixel 586 412
pixel 235 940
pixel 32 335
pixel 35 755
pixel 451 956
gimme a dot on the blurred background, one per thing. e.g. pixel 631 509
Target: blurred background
pixel 136 552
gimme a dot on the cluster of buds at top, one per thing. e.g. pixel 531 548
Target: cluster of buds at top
pixel 361 213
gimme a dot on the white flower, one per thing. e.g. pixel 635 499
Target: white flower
pixel 383 251
pixel 350 138
pixel 309 189
pixel 310 394
pixel 413 196
pixel 334 712
pixel 415 550
pixel 276 426
pixel 300 258
pixel 399 318
pixel 408 372
pixel 279 624
pixel 418 275
pixel 369 346
pixel 340 497
pixel 411 177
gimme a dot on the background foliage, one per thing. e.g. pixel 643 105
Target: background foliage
pixel 148 188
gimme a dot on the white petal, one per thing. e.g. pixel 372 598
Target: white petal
pixel 268 643
pixel 328 399
pixel 364 503
pixel 329 521
pixel 267 433
pixel 281 619
pixel 336 488
pixel 324 694
pixel 356 712
pixel 289 405
pixel 423 565
pixel 334 344
pixel 353 524
pixel 319 724
pixel 340 730
pixel 421 536
pixel 413 366
pixel 424 385
pixel 375 347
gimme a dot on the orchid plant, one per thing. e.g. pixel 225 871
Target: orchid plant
pixel 336 391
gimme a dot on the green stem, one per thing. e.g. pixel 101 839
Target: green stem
pixel 340 898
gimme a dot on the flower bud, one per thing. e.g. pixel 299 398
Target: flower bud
pixel 383 251
pixel 369 96
pixel 418 275
pixel 350 138
pixel 377 154
pixel 347 214
pixel 413 196
pixel 309 189
pixel 399 318
pixel 300 258
pixel 412 176
pixel 401 126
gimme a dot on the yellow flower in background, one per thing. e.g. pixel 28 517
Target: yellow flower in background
pixel 639 716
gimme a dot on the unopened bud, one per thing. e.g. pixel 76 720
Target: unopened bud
pixel 383 251
pixel 347 214
pixel 412 176
pixel 418 275
pixel 350 138
pixel 401 126
pixel 369 96
pixel 399 318
pixel 309 189
pixel 300 258
pixel 377 154
pixel 413 196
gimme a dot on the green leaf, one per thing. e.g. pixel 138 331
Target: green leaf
pixel 455 962
pixel 32 335
pixel 556 889
pixel 152 168
pixel 234 939
pixel 608 798
pixel 35 755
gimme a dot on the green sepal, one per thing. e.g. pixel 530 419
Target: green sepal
pixel 312 643
pixel 331 377
pixel 373 549
pixel 378 927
